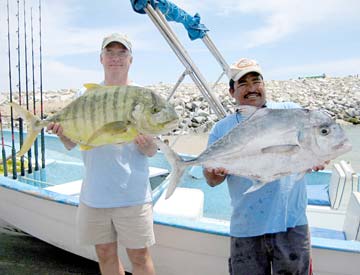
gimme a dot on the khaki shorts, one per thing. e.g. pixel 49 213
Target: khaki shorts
pixel 131 226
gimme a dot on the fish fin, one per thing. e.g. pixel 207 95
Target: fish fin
pixel 278 149
pixel 138 111
pixel 84 147
pixel 90 86
pixel 177 167
pixel 34 127
pixel 299 176
pixel 256 186
pixel 247 111
pixel 112 129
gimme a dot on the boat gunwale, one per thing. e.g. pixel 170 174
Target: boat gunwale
pixel 216 227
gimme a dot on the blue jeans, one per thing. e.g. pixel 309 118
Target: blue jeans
pixel 286 253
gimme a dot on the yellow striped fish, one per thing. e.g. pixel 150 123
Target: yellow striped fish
pixel 106 115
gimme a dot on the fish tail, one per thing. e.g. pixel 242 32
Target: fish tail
pixel 178 167
pixel 34 127
pixel 174 179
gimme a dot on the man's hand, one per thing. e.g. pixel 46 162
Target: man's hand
pixel 218 171
pixel 146 145
pixel 215 176
pixel 321 166
pixel 56 129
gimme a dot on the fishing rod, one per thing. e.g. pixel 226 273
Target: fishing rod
pixel 21 122
pixel 33 86
pixel 13 151
pixel 4 160
pixel 41 93
pixel 27 84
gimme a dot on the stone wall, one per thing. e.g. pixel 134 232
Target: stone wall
pixel 339 96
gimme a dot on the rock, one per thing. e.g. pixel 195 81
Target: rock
pixel 340 96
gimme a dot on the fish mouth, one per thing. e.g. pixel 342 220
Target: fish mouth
pixel 162 128
pixel 345 146
pixel 171 124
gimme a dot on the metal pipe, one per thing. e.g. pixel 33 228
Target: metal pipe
pixel 21 122
pixel 13 151
pixel 186 60
pixel 168 39
pixel 4 160
pixel 200 81
pixel 215 52
pixel 41 92
pixel 181 78
pixel 217 81
pixel 36 154
pixel 27 84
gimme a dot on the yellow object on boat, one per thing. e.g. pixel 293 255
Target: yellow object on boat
pixel 9 165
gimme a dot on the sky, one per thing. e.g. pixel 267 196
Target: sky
pixel 289 39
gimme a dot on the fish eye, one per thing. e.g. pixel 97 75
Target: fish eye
pixel 324 131
pixel 155 110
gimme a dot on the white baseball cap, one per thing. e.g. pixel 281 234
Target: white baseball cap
pixel 242 67
pixel 117 37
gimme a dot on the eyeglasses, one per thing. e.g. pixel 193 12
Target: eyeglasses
pixel 122 54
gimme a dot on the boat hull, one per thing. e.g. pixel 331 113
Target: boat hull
pixel 178 249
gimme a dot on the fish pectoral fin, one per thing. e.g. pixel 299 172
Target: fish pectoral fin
pixel 278 149
pixel 110 129
pixel 84 147
pixel 90 86
pixel 248 111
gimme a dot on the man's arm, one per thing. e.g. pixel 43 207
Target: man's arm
pixel 56 129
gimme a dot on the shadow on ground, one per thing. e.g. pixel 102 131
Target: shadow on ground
pixel 26 255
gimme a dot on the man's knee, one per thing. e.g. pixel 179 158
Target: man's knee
pixel 139 256
pixel 106 251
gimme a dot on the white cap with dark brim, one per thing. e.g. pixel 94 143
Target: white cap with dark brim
pixel 243 67
pixel 119 38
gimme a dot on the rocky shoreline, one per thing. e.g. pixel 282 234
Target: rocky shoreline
pixel 339 96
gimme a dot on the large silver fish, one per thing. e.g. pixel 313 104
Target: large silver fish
pixel 267 145
pixel 106 115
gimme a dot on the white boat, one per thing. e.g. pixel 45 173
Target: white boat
pixel 191 237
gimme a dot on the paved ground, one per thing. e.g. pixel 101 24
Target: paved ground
pixel 21 255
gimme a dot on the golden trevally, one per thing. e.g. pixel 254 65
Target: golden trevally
pixel 106 115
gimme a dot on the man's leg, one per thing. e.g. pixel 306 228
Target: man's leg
pixel 292 251
pixel 108 259
pixel 141 261
pixel 249 256
pixel 134 226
